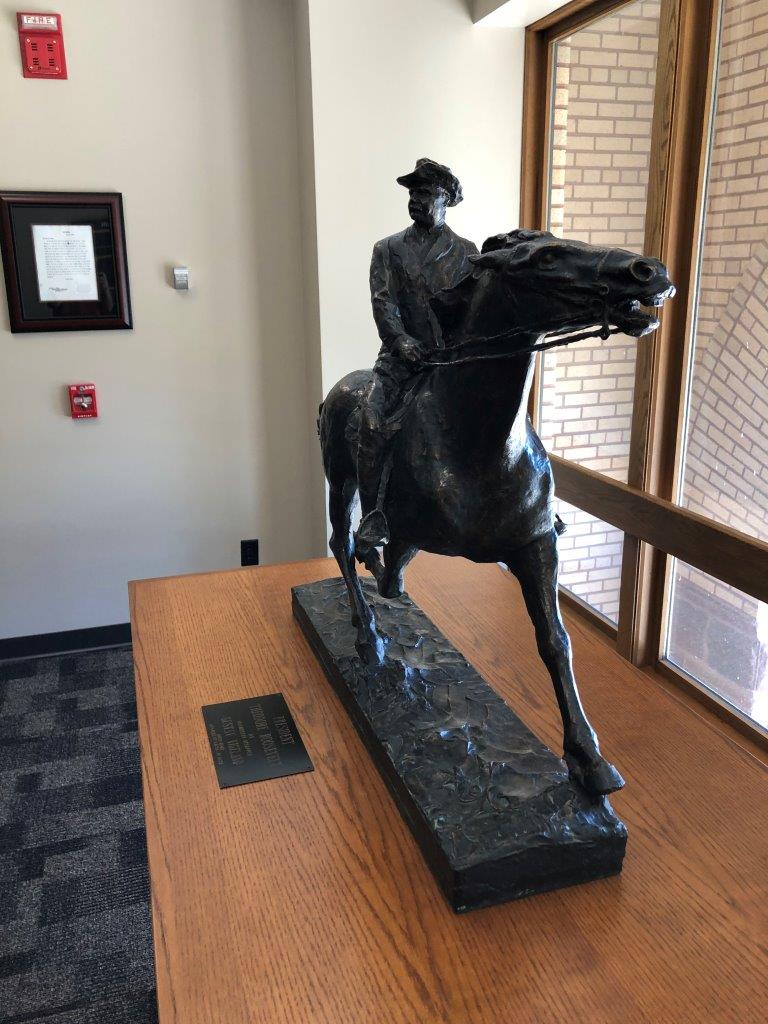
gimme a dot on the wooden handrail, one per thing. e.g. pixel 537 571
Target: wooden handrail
pixel 728 555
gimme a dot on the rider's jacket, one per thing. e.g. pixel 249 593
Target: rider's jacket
pixel 406 271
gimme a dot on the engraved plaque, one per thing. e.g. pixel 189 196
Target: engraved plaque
pixel 254 739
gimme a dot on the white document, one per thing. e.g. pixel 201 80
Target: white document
pixel 65 261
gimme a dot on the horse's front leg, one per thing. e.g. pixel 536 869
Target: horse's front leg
pixel 536 568
pixel 341 501
pixel 397 555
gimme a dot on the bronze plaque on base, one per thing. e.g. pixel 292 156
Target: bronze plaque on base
pixel 254 739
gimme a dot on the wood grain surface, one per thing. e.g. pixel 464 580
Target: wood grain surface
pixel 305 899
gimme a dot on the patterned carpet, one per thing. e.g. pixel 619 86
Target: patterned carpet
pixel 75 932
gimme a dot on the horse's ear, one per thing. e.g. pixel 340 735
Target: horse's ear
pixel 490 260
pixel 503 259
pixel 518 255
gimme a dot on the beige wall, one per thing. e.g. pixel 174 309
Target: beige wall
pixel 271 173
pixel 392 83
pixel 204 436
pixel 309 252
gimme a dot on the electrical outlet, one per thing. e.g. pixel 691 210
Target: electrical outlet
pixel 249 552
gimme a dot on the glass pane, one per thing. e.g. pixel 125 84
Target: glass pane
pixel 716 633
pixel 719 636
pixel 599 158
pixel 590 560
pixel 604 83
pixel 725 467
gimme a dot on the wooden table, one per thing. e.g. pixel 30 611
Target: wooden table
pixel 305 899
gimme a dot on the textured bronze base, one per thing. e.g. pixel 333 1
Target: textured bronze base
pixel 493 810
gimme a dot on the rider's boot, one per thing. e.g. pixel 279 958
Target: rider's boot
pixel 373 529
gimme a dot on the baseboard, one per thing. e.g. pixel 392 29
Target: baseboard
pixel 66 642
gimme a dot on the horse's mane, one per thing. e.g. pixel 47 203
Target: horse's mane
pixel 509 239
pixel 450 304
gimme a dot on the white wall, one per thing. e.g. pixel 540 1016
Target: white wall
pixel 204 437
pixel 305 114
pixel 390 83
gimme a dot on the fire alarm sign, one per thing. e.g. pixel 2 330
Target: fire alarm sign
pixel 41 40
pixel 82 401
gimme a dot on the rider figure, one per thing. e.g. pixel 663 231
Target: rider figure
pixel 407 270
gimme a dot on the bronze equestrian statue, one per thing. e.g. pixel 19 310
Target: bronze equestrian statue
pixel 407 271
pixel 464 471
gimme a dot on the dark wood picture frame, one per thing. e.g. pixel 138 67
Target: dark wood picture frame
pixel 112 311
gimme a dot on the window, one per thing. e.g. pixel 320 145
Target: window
pixel 603 79
pixel 716 633
pixel 646 127
pixel 719 635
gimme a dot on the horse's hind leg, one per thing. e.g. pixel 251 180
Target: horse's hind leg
pixel 341 502
pixel 536 568
pixel 370 558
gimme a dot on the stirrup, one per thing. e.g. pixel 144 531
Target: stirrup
pixel 373 529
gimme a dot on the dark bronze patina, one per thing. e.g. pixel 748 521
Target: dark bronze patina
pixel 459 469
pixel 495 812
pixel 407 271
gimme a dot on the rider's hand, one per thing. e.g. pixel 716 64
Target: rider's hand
pixel 409 350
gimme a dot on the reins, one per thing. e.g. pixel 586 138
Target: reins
pixel 542 346
pixel 557 338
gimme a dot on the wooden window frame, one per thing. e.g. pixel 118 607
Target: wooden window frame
pixel 655 529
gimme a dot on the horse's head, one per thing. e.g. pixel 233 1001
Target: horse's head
pixel 550 285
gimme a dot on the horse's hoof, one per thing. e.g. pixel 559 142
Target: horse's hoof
pixel 391 589
pixel 599 778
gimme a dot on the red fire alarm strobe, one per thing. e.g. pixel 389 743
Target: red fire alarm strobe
pixel 42 45
pixel 82 401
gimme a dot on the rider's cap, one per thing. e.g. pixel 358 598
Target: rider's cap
pixel 429 172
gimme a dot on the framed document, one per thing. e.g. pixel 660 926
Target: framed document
pixel 64 260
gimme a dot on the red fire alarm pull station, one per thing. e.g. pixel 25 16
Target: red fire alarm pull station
pixel 42 45
pixel 82 401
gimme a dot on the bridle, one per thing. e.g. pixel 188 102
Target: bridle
pixel 553 339
pixel 557 339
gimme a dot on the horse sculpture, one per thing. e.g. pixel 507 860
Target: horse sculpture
pixel 467 473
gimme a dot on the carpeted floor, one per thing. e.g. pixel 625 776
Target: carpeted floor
pixel 75 932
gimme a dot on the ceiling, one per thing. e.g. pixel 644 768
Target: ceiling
pixel 512 13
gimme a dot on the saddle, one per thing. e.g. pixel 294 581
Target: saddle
pixel 391 424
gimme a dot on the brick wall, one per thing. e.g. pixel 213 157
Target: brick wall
pixel 603 111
